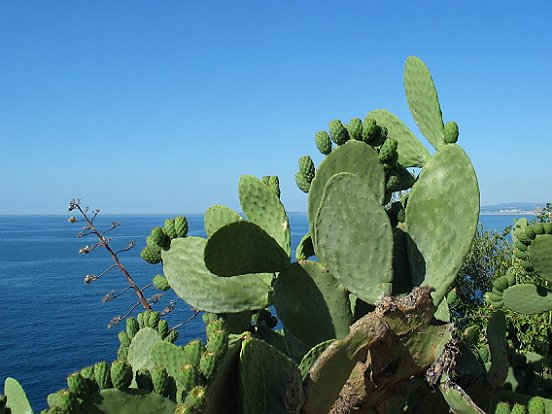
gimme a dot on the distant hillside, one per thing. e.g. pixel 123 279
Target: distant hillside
pixel 512 208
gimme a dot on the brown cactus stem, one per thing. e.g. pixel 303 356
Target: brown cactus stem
pixel 104 242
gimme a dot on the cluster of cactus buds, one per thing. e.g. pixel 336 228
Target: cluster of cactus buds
pixel 160 238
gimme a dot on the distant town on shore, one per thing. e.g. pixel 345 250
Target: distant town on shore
pixel 511 209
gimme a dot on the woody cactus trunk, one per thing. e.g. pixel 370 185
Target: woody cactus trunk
pixel 362 306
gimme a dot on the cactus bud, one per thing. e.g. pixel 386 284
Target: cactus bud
pixel 121 374
pixel 323 142
pixel 306 167
pixel 217 343
pixel 530 232
pixel 77 384
pixel 520 246
pixel 158 238
pixel 196 399
pixel 451 132
pixel 273 182
pixel 302 182
pixel 536 406
pixel 123 338
pixel 547 227
pixel 102 374
pixel 172 336
pixel 192 351
pixel 208 365
pixel 188 377
pixel 502 408
pixel 160 282
pixel 355 129
pixel 338 133
pixel 122 353
pixel 64 400
pixel 538 228
pixel 160 380
pixel 151 319
pixel 169 229
pixel 181 226
pixel 369 130
pixel 132 327
pixel 388 151
pixel 163 328
pixel 518 409
pixel 151 254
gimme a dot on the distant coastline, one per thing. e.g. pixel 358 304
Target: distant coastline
pixel 508 213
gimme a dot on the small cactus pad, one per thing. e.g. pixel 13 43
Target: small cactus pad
pixel 218 216
pixel 423 103
pixel 311 303
pixel 441 219
pixel 311 356
pixel 451 132
pixel 184 267
pixel 270 380
pixel 17 400
pixel 323 142
pixel 527 299
pixel 354 240
pixel 540 253
pixel 338 133
pixel 128 401
pixel 243 247
pixel 411 151
pixel 263 207
pixel 305 248
pixel 139 351
pixel 458 400
pixel 355 157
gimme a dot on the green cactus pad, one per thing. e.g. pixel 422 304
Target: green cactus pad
pixel 305 249
pixel 354 238
pixel 185 269
pixel 441 219
pixel 139 351
pixel 169 357
pixel 411 151
pixel 496 337
pixel 218 216
pixel 270 381
pixel 458 400
pixel 311 303
pixel 540 252
pixel 181 226
pixel 338 133
pixel 423 103
pixel 527 299
pixel 243 247
pixel 128 401
pixel 355 157
pixel 263 207
pixel 323 142
pixel 310 357
pixel 17 400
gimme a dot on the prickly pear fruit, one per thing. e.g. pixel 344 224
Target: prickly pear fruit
pixel 208 365
pixel 369 130
pixel 121 374
pixel 196 399
pixel 151 254
pixel 518 409
pixel 520 254
pixel 520 246
pixel 163 328
pixel 302 182
pixel 132 327
pixel 338 133
pixel 217 343
pixel 65 400
pixel 502 408
pixel 88 372
pixel 547 227
pixel 273 182
pixel 160 282
pixel 122 353
pixel 102 374
pixel 530 232
pixel 451 132
pixel 193 351
pixel 77 384
pixel 188 377
pixel 143 380
pixel 536 406
pixel 538 228
pixel 501 283
pixel 392 183
pixel 169 229
pixel 160 380
pixel 158 238
pixel 323 142
pixel 355 129
pixel 151 319
pixel 380 136
pixel 181 226
pixel 123 338
pixel 388 151
pixel 172 336
pixel 213 325
pixel 306 167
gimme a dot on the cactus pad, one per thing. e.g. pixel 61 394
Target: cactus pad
pixel 354 240
pixel 185 269
pixel 527 299
pixel 218 216
pixel 540 253
pixel 17 401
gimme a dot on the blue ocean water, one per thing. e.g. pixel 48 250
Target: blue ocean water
pixel 54 324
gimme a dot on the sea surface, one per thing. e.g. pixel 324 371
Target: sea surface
pixel 54 324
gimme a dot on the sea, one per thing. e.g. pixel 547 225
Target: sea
pixel 54 324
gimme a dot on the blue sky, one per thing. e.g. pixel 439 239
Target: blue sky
pixel 159 107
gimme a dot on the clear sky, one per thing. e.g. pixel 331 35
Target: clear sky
pixel 159 107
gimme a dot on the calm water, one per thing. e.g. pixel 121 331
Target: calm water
pixel 54 324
